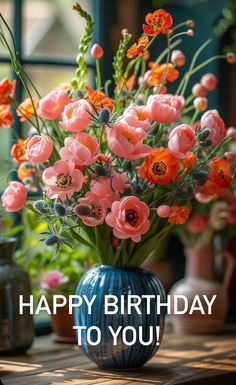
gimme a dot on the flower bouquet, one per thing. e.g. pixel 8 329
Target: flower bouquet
pixel 118 165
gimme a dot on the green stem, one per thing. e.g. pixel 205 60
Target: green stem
pixel 99 77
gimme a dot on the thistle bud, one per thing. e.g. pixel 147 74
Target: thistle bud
pixel 51 240
pixel 128 166
pixel 41 207
pixel 104 115
pixel 97 51
pixel 200 177
pixel 83 210
pixel 60 209
pixel 100 170
pixel 203 134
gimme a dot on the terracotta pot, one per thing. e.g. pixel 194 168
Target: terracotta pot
pixel 199 280
pixel 62 325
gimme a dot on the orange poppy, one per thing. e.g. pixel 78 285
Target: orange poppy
pixel 18 151
pixel 162 73
pixel 6 117
pixel 179 215
pixel 138 48
pixel 6 91
pixel 220 173
pixel 157 22
pixel 99 99
pixel 188 161
pixel 128 85
pixel 160 166
pixel 26 109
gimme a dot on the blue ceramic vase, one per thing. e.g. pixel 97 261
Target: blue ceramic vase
pixel 120 282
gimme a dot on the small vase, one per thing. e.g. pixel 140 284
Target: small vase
pixel 199 280
pixel 16 331
pixel 106 280
pixel 62 325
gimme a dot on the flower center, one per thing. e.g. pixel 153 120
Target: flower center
pixel 140 115
pixel 96 211
pixel 221 174
pixel 64 180
pixel 131 217
pixel 159 168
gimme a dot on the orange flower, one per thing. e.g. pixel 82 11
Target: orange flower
pixel 6 117
pixel 6 91
pixel 179 214
pixel 160 166
pixel 220 173
pixel 99 99
pixel 157 22
pixel 18 151
pixel 26 109
pixel 128 85
pixel 25 171
pixel 188 161
pixel 138 49
pixel 162 73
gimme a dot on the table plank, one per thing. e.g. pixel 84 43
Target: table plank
pixel 180 360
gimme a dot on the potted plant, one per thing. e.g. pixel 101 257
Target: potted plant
pixel 118 173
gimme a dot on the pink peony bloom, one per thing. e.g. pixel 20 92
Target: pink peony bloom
pixel 212 120
pixel 75 117
pixel 62 179
pixel 82 149
pixel 209 81
pixel 200 104
pixel 14 197
pixel 199 91
pixel 198 222
pixel 110 188
pixel 164 211
pixel 137 116
pixel 178 58
pixel 92 209
pixel 53 280
pixel 165 108
pixel 181 140
pixel 39 148
pixel 127 142
pixel 129 218
pixel 52 105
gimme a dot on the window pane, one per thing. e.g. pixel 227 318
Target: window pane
pixel 7 12
pixel 47 78
pixel 52 28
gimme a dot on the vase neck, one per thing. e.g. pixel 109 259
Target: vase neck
pixel 200 262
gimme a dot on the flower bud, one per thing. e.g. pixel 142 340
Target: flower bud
pixel 230 156
pixel 198 90
pixel 178 58
pixel 164 211
pixel 104 115
pixel 190 23
pixel 209 81
pixel 41 207
pixel 60 209
pixel 200 104
pixel 200 177
pixel 97 51
pixel 231 58
pixel 51 240
pixel 190 32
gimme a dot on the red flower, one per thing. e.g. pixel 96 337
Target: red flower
pixel 220 173
pixel 138 49
pixel 6 91
pixel 179 214
pixel 18 151
pixel 6 117
pixel 99 99
pixel 157 22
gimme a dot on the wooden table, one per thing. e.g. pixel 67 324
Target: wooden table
pixel 198 360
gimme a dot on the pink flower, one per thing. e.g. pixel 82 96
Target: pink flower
pixel 165 108
pixel 129 218
pixel 14 197
pixel 110 188
pixel 209 81
pixel 198 223
pixel 62 179
pixel 181 140
pixel 178 58
pixel 137 116
pixel 212 120
pixel 52 105
pixel 97 51
pixel 92 209
pixel 82 149
pixel 164 211
pixel 199 91
pixel 200 104
pixel 203 198
pixel 127 142
pixel 39 148
pixel 53 280
pixel 75 117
